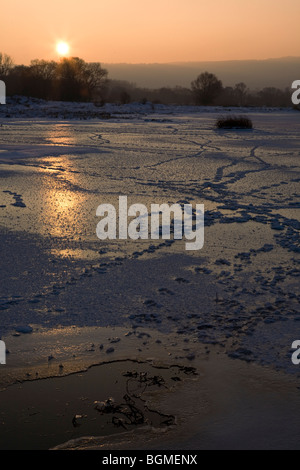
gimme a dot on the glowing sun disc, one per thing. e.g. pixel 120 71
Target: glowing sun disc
pixel 62 48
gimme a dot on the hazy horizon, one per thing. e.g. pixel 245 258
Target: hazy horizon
pixel 279 73
pixel 174 62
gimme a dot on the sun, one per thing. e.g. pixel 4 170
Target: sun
pixel 62 48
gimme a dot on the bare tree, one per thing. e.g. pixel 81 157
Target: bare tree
pixel 241 91
pixel 43 69
pixel 6 64
pixel 80 79
pixel 206 88
pixel 95 75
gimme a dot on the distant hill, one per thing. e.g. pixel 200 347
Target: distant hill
pixel 278 73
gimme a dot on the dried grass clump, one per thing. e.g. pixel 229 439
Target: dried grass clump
pixel 234 122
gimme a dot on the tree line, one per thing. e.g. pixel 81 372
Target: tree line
pixel 73 79
pixel 67 80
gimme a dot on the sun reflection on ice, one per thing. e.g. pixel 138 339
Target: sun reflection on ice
pixel 61 134
pixel 62 199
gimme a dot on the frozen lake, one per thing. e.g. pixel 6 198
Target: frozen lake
pixel 244 282
pixel 69 300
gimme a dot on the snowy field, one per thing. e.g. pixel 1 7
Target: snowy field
pixel 240 293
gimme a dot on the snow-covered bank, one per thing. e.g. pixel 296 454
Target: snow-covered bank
pixel 23 107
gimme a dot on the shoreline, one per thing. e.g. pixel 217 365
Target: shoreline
pixel 254 408
pixel 79 349
pixel 214 408
pixel 43 381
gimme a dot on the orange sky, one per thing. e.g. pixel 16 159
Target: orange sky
pixel 140 31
